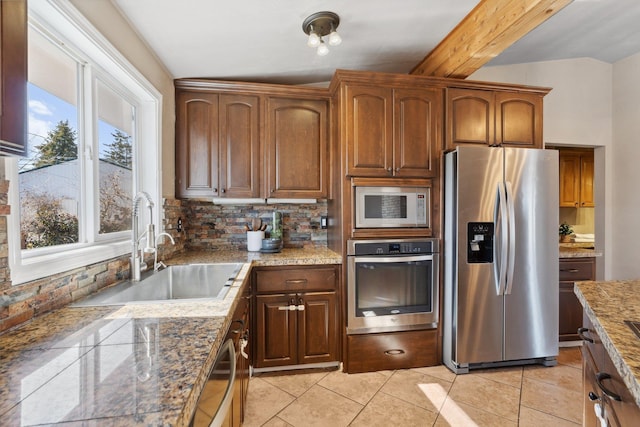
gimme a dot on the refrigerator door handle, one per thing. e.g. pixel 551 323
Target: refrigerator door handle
pixel 500 212
pixel 511 251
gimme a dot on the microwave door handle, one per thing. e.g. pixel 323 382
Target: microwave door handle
pixel 500 253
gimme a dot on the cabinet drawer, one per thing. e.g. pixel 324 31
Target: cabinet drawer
pixel 296 279
pixel 583 269
pixel 393 350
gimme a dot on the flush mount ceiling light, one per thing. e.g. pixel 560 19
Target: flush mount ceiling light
pixel 319 25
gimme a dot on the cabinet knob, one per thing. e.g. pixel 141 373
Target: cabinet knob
pixel 397 169
pixel 215 190
pixel 593 397
pixel 576 204
pixel 389 170
pixel 224 190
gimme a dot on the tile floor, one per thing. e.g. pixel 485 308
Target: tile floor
pixel 433 396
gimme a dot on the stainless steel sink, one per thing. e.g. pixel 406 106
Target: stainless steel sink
pixel 174 283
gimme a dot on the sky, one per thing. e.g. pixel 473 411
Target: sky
pixel 45 112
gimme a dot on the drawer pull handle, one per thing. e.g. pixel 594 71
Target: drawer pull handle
pixel 394 352
pixel 601 376
pixel 569 270
pixel 296 281
pixel 582 336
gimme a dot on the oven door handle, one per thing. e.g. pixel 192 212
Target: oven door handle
pixel 394 259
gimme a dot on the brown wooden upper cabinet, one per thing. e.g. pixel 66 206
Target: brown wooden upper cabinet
pixel 217 145
pixel 493 118
pixel 576 178
pixel 250 140
pixel 297 148
pixel 392 132
pixel 13 77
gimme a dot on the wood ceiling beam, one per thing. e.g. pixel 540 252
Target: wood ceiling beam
pixel 490 28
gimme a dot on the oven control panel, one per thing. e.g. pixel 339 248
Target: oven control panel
pixel 392 247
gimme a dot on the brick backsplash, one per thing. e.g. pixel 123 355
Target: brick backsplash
pixel 204 226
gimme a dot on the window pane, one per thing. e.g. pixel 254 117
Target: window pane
pixel 115 124
pixel 49 177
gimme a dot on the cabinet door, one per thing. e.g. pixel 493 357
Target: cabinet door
pixel 369 130
pixel 297 146
pixel 318 334
pixel 589 387
pixel 470 117
pixel 239 164
pixel 13 77
pixel 416 127
pixel 518 119
pixel 276 334
pixel 569 172
pixel 570 315
pixel 196 144
pixel 586 180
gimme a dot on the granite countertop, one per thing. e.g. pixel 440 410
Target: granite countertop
pixel 135 364
pixel 608 304
pixel 578 250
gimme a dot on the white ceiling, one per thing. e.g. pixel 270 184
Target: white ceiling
pixel 259 40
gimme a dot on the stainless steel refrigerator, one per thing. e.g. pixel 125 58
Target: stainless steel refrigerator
pixel 501 257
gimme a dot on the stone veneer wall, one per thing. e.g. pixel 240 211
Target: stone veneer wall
pixel 209 226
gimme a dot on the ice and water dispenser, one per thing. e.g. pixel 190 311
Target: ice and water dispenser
pixel 480 236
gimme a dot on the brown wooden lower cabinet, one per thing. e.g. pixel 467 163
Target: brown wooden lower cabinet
pixel 603 385
pixel 570 309
pixel 300 325
pixel 391 350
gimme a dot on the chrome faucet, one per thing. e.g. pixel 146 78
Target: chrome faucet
pixel 160 265
pixel 137 256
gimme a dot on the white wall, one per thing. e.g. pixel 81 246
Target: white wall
pixel 626 174
pixel 108 20
pixel 578 111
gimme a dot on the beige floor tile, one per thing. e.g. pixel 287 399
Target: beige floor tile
pixel 570 356
pixel 488 395
pixel 458 414
pixel 561 375
pixel 422 390
pixel 532 418
pixel 552 399
pixel 385 410
pixel 320 407
pixel 439 371
pixel 358 387
pixel 511 375
pixel 263 402
pixel 295 384
pixel 275 422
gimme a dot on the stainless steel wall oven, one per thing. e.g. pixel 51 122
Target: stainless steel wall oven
pixel 392 285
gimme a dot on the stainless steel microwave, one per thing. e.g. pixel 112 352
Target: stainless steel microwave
pixel 392 207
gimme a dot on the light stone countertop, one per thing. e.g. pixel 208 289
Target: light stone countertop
pixel 135 364
pixel 578 250
pixel 608 304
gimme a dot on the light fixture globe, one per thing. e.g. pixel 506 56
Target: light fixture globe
pixel 323 49
pixel 321 24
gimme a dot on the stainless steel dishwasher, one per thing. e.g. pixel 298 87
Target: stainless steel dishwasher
pixel 215 400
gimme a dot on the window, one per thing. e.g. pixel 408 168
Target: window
pixel 91 116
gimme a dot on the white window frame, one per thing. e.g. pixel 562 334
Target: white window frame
pixel 68 24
